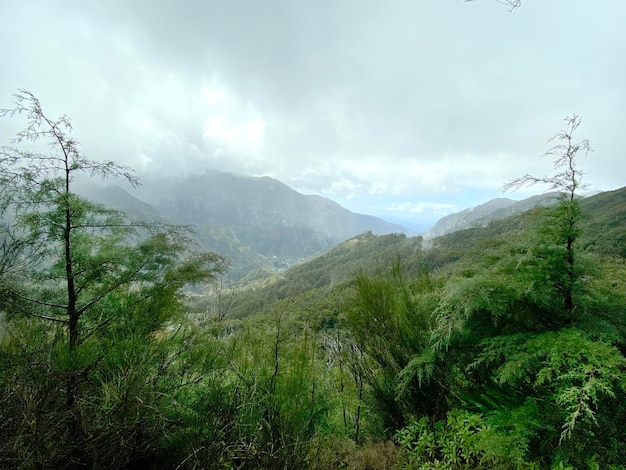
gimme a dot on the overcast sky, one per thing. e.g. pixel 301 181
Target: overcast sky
pixel 408 110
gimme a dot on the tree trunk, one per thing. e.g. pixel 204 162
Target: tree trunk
pixel 568 301
pixel 75 428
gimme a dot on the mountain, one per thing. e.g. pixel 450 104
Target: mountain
pixel 258 222
pixel 481 215
pixel 118 198
pixel 260 213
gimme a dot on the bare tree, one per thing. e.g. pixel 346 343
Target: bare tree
pixel 565 151
pixel 567 181
pixel 224 297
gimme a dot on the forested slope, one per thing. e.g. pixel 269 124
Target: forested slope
pixel 604 223
pixel 603 233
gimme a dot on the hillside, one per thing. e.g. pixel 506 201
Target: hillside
pixel 605 222
pixel 603 233
pixel 364 254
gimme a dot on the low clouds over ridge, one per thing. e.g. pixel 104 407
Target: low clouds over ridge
pixel 428 104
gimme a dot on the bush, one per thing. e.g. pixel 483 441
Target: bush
pixel 463 440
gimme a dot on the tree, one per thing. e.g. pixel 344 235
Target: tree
pixel 567 180
pixel 529 330
pixel 82 258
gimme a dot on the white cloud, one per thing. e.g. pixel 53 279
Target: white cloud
pixel 254 134
pixel 424 207
pixel 214 95
pixel 378 187
pixel 344 188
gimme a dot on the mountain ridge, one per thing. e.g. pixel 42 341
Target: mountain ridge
pixel 481 215
pixel 257 222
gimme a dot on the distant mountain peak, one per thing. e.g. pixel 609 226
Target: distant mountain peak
pixel 481 215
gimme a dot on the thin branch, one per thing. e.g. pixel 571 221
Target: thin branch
pixel 99 326
pixel 39 302
pixel 129 225
pixel 45 317
pixel 120 282
pixel 565 151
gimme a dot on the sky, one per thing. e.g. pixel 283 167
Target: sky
pixel 407 109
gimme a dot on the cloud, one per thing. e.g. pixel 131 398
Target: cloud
pixel 424 207
pixel 365 102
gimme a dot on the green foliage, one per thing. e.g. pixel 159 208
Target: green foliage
pixel 341 453
pixel 263 398
pixel 132 375
pixel 604 223
pixel 463 440
pixel 364 254
pixel 509 324
pixel 565 366
pixel 390 318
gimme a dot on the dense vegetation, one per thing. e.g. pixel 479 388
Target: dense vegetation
pixel 496 347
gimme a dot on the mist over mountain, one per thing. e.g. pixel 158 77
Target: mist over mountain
pixel 257 222
pixel 119 198
pixel 239 200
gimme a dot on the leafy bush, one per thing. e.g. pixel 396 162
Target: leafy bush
pixel 463 440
